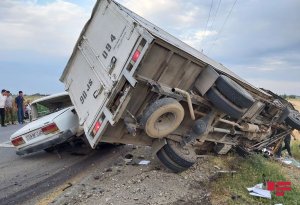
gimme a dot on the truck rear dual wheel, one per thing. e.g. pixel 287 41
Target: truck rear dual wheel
pixel 293 119
pixel 234 92
pixel 167 162
pixel 175 157
pixel 229 97
pixel 162 117
pixel 223 104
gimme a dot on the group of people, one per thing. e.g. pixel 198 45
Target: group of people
pixel 7 107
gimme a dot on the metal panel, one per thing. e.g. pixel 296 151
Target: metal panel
pixel 157 59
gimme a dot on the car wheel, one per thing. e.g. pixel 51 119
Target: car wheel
pixel 223 104
pixel 293 119
pixel 162 117
pixel 234 92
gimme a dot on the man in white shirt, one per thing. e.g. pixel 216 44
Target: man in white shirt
pixel 9 109
pixel 2 106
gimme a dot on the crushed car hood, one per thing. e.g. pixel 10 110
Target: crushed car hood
pixel 41 122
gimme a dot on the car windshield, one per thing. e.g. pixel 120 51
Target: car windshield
pixel 48 105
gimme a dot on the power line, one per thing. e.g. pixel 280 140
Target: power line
pixel 214 18
pixel 213 21
pixel 211 5
pixel 227 17
pixel 223 25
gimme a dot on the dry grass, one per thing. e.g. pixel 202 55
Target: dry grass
pixel 296 103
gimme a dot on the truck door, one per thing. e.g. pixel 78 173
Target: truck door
pixel 97 63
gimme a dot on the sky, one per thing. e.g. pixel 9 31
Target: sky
pixel 258 40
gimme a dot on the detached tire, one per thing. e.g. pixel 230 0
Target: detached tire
pixel 293 119
pixel 223 104
pixel 234 92
pixel 162 117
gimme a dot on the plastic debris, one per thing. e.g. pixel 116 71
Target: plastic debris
pixel 144 162
pixel 258 191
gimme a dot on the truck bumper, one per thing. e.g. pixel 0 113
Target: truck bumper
pixel 58 139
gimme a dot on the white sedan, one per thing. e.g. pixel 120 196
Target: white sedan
pixel 54 121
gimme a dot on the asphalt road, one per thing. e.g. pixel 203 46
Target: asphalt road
pixel 23 178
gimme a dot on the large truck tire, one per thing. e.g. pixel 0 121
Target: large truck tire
pixel 162 117
pixel 167 162
pixel 175 157
pixel 223 104
pixel 184 157
pixel 293 119
pixel 234 92
pixel 285 113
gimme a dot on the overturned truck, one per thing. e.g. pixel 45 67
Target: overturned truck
pixel 133 83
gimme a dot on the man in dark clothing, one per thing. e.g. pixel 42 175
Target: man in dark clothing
pixel 287 146
pixel 20 105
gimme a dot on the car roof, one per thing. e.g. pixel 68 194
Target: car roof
pixel 53 96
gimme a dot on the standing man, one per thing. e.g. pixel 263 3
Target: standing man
pixel 20 105
pixel 9 108
pixel 2 107
pixel 287 146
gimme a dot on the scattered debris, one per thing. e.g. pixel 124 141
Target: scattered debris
pixel 128 158
pixel 108 169
pixel 235 197
pixel 96 177
pixel 68 186
pixel 290 161
pixel 258 191
pixel 132 160
pixel 144 162
pixel 226 171
pixel 217 167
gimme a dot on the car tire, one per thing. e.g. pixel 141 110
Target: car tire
pixel 293 119
pixel 184 157
pixel 162 117
pixel 223 104
pixel 168 163
pixel 234 92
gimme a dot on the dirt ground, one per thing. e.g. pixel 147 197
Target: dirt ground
pixel 129 184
